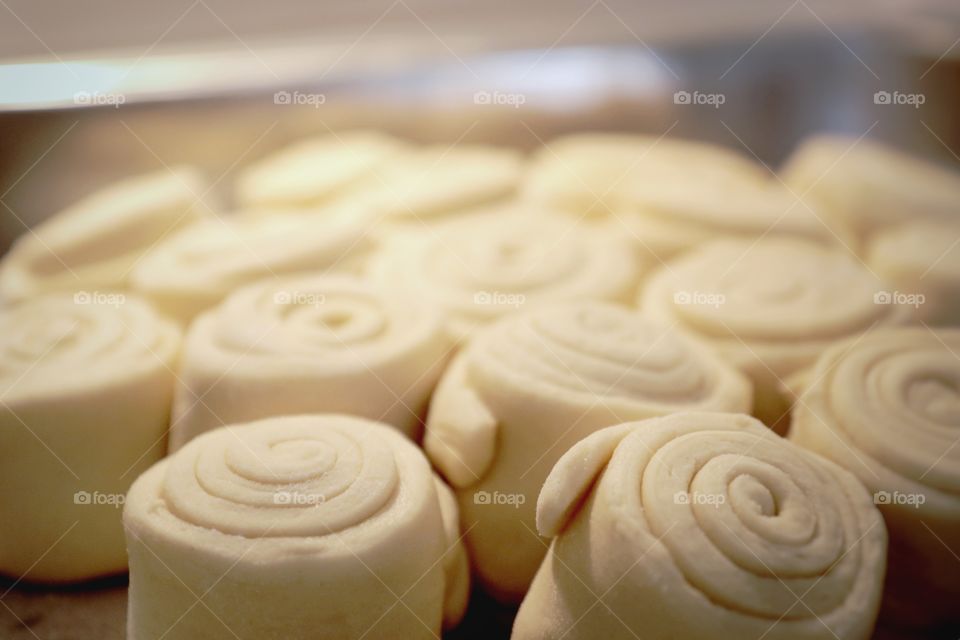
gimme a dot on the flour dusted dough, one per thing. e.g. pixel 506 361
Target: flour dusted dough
pixel 480 267
pixel 308 344
pixel 315 526
pixel 94 244
pixel 863 185
pixel 86 384
pixel 887 407
pixel 527 388
pixel 200 266
pixel 314 171
pixel 702 525
pixel 921 260
pixel 770 306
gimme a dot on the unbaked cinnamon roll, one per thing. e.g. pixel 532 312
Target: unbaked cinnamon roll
pixel 530 386
pixel 308 526
pixel 698 525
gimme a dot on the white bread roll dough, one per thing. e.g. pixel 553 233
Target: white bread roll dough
pixel 94 244
pixel 313 526
pixel 769 307
pixel 307 344
pixel 530 386
pixel 86 387
pixel 703 525
pixel 887 407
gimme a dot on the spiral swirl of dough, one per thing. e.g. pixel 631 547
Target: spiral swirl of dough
pixel 734 525
pixel 61 343
pixel 483 266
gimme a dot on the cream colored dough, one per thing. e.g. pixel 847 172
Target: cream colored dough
pixel 94 244
pixel 312 526
pixel 703 525
pixel 200 266
pixel 481 267
pixel 770 307
pixel 887 408
pixel 309 344
pixel 527 388
pixel 86 385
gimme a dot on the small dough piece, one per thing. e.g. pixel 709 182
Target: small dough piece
pixel 703 525
pixel 483 266
pixel 314 171
pixel 770 307
pixel 86 382
pixel 863 186
pixel 194 270
pixel 887 408
pixel 94 244
pixel 530 386
pixel 295 527
pixel 921 260
pixel 307 344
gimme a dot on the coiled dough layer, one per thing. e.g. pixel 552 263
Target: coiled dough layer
pixel 480 267
pixel 699 524
pixel 94 244
pixel 770 306
pixel 86 385
pixel 200 266
pixel 527 388
pixel 887 407
pixel 306 344
pixel 290 527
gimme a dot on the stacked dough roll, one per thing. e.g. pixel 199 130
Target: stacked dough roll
pixel 527 388
pixel 887 407
pixel 697 525
pixel 309 344
pixel 770 306
pixel 294 527
pixel 95 244
pixel 86 384
pixel 484 266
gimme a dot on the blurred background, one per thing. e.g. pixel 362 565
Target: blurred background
pixel 95 90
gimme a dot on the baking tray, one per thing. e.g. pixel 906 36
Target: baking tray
pixel 776 90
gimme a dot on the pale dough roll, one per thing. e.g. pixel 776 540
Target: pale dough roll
pixel 529 387
pixel 921 261
pixel 309 344
pixel 201 265
pixel 314 171
pixel 887 408
pixel 587 174
pixel 86 385
pixel 95 243
pixel 864 185
pixel 480 267
pixel 700 525
pixel 769 306
pixel 313 526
